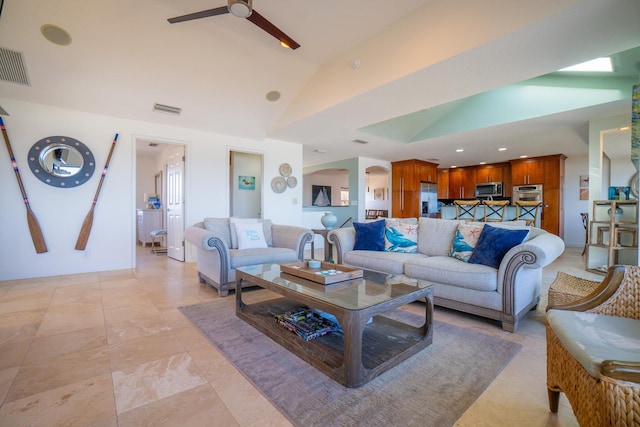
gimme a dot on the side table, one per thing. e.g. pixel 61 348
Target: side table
pixel 328 247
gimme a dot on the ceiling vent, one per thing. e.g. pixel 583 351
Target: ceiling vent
pixel 153 144
pixel 166 109
pixel 360 141
pixel 12 67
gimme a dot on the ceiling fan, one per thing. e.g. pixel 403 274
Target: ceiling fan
pixel 242 9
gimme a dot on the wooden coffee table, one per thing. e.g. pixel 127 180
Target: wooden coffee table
pixel 363 350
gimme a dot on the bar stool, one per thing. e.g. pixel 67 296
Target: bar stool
pixel 466 209
pixel 528 212
pixel 494 210
pixel 158 234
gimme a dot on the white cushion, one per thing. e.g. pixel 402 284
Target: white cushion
pixel 250 236
pixel 234 235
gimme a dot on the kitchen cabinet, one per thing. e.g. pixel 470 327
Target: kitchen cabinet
pixel 406 177
pixel 613 235
pixel 490 173
pixel 147 221
pixel 443 183
pixel 527 171
pixel 462 183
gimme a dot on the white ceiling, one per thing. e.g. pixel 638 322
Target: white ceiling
pixel 412 55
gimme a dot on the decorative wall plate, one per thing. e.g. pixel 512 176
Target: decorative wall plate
pixel 285 169
pixel 278 184
pixel 292 181
pixel 61 161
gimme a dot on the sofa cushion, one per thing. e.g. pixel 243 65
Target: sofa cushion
pixel 389 262
pixel 219 227
pixel 400 236
pixel 436 235
pixel 494 243
pixel 241 258
pixel 452 271
pixel 250 236
pixel 592 338
pixel 369 236
pixel 465 240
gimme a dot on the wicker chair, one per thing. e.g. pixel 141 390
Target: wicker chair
pixel 610 396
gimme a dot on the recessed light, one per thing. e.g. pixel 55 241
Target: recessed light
pixel 625 128
pixel 483 163
pixel 319 150
pixel 524 156
pixel 502 149
pixel 459 150
pixel 453 166
pixel 55 34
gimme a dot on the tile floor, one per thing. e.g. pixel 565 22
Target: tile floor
pixel 111 349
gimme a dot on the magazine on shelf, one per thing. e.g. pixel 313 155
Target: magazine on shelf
pixel 307 323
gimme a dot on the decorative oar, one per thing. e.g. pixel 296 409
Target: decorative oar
pixel 34 226
pixel 81 243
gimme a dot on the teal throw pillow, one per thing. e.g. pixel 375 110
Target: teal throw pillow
pixel 494 243
pixel 465 239
pixel 369 236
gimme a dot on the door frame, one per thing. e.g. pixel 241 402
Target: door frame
pixel 230 189
pixel 162 142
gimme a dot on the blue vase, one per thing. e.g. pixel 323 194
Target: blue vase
pixel 328 220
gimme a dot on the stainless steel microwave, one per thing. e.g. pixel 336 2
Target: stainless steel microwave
pixel 487 189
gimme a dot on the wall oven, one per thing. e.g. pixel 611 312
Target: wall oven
pixel 527 193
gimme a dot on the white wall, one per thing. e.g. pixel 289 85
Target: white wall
pixel 574 232
pixel 146 170
pixel 112 241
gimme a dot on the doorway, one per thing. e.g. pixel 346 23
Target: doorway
pixel 246 185
pixel 160 170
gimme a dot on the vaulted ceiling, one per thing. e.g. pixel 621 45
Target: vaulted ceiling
pixel 412 78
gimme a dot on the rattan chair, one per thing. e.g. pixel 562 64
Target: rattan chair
pixel 612 396
pixel 466 209
pixel 494 210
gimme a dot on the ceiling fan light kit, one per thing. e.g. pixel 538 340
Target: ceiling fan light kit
pixel 240 8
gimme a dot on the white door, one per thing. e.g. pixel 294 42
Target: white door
pixel 175 203
pixel 246 185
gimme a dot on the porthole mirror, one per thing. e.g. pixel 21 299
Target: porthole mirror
pixel 61 161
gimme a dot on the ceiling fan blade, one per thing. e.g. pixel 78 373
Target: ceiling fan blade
pixel 197 15
pixel 267 26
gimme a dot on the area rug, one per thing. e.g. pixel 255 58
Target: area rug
pixel 432 388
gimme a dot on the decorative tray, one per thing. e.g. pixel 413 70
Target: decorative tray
pixel 327 273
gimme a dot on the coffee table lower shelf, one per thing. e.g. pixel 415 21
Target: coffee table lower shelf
pixel 385 342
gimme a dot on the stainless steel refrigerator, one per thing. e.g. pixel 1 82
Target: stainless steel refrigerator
pixel 428 199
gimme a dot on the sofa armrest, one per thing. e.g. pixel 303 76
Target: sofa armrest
pixel 538 252
pixel 344 239
pixel 292 237
pixel 207 241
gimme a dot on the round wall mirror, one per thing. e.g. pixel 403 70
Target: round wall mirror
pixel 61 161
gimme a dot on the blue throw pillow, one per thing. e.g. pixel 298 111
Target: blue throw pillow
pixel 494 243
pixel 369 236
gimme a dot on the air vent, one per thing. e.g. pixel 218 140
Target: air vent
pixel 12 67
pixel 167 109
pixel 153 144
pixel 360 141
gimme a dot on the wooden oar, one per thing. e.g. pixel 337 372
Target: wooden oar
pixel 81 243
pixel 34 226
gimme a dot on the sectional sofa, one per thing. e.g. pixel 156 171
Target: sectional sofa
pixel 506 291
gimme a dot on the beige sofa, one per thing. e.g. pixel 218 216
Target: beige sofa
pixel 219 256
pixel 506 293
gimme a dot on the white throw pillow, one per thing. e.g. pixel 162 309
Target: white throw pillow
pixel 250 236
pixel 234 235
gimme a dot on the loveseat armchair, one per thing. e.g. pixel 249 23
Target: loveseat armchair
pixel 593 352
pixel 221 251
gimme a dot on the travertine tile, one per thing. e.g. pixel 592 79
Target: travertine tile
pixel 14 343
pixel 129 354
pixel 63 318
pixel 146 383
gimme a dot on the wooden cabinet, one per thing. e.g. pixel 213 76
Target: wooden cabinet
pixel 552 216
pixel 147 221
pixel 443 183
pixel 527 171
pixel 462 183
pixel 490 173
pixel 613 235
pixel 406 177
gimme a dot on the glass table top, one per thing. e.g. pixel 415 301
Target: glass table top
pixel 372 289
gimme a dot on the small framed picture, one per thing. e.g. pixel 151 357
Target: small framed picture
pixel 246 182
pixel 378 194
